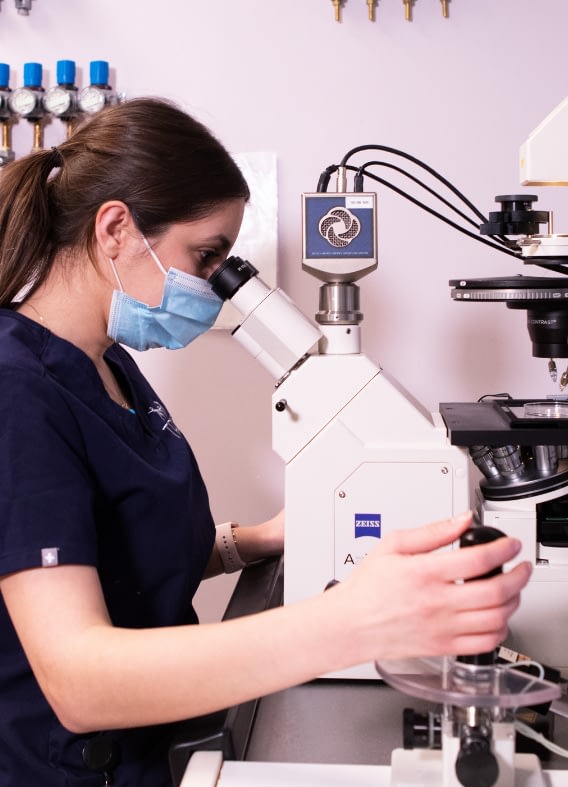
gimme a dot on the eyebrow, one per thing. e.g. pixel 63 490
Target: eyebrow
pixel 221 240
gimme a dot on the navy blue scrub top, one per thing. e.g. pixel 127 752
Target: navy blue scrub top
pixel 85 481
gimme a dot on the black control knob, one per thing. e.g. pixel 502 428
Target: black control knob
pixel 472 537
pixel 516 216
pixel 476 765
pixel 101 755
pixel 421 730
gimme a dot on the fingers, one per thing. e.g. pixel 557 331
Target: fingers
pixel 460 564
pixel 493 621
pixel 476 613
pixel 428 537
pixel 484 594
pixel 482 631
pixel 472 644
pixel 478 560
pixel 473 617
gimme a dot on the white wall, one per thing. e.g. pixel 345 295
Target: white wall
pixel 460 93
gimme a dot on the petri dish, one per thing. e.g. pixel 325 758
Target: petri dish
pixel 545 409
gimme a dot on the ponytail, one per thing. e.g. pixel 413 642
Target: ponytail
pixel 26 243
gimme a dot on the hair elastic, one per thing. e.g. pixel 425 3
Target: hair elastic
pixel 56 157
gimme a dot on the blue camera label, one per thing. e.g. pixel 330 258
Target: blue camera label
pixel 339 227
pixel 368 525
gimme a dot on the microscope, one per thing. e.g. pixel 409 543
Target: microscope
pixel 347 433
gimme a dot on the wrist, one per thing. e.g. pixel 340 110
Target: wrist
pixel 257 542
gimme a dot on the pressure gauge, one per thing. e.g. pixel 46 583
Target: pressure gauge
pixel 60 101
pixel 99 93
pixel 57 100
pixel 93 98
pixel 24 101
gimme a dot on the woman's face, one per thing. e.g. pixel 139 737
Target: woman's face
pixel 195 247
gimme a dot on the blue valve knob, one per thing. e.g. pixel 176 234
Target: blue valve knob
pixel 99 72
pixel 65 72
pixel 33 73
pixel 4 76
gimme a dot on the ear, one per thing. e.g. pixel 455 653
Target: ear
pixel 114 227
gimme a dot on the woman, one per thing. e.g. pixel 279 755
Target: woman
pixel 105 528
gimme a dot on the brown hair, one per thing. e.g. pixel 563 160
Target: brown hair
pixel 163 164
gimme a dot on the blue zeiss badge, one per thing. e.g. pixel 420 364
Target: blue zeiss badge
pixel 368 525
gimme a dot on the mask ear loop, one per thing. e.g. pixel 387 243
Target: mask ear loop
pixel 154 256
pixel 116 276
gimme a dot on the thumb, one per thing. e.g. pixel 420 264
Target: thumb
pixel 428 537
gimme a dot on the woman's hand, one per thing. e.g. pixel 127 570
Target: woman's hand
pixel 407 600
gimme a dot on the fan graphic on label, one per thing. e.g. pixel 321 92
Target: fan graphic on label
pixel 339 227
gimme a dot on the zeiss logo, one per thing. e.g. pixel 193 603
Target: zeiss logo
pixel 368 525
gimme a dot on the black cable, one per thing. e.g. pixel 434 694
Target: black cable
pixel 435 213
pixel 430 170
pixel 363 171
pixel 323 181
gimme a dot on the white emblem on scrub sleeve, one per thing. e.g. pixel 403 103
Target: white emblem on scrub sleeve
pixel 167 423
pixel 49 557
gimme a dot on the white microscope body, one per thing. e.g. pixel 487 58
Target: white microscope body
pixel 362 458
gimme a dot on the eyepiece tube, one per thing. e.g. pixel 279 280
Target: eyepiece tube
pixel 273 330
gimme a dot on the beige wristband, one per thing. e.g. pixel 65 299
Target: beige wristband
pixel 226 542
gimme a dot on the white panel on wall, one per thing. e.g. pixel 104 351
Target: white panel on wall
pixel 258 238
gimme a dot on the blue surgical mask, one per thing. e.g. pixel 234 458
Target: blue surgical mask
pixel 189 307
